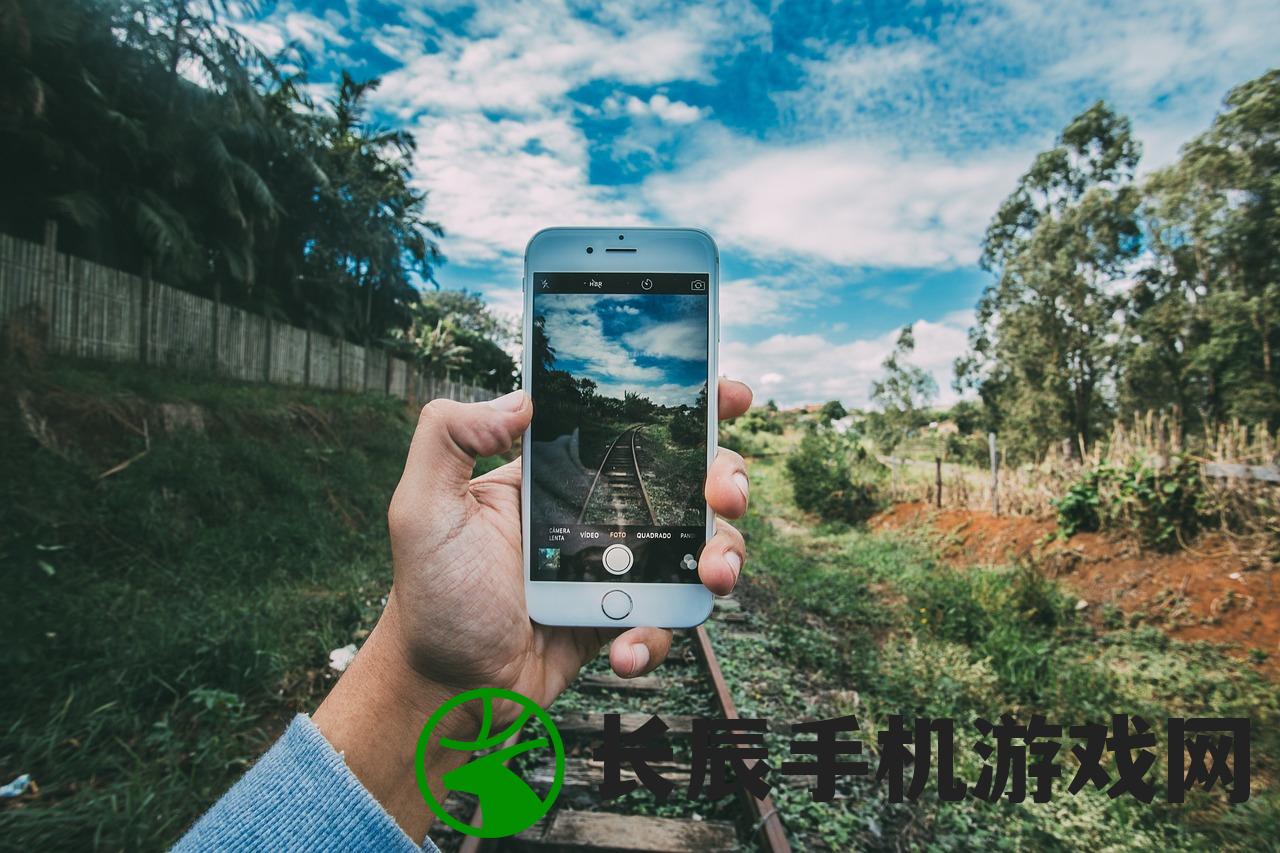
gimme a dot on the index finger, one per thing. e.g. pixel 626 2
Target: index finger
pixel 732 398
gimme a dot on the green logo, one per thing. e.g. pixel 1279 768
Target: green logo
pixel 507 803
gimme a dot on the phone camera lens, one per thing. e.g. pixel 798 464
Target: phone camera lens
pixel 619 236
pixel 590 250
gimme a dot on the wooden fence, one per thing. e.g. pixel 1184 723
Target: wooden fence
pixel 91 311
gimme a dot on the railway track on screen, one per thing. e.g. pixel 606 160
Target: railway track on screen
pixel 618 494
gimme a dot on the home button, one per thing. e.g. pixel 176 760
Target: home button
pixel 616 604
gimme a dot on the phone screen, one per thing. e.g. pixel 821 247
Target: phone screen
pixel 619 435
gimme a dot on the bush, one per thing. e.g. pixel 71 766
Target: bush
pixel 689 427
pixel 833 410
pixel 743 441
pixel 832 478
pixel 1161 508
pixel 758 420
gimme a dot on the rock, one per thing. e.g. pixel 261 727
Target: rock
pixel 340 659
pixel 176 416
pixel 1082 605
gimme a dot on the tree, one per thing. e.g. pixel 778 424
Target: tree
pixel 475 328
pixel 1043 350
pixel 1203 313
pixel 832 410
pixel 159 137
pixel 903 394
pixel 431 342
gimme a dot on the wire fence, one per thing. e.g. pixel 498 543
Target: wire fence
pixel 84 309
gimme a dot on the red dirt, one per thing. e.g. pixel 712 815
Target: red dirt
pixel 1211 593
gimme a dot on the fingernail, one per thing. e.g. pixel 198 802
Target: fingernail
pixel 740 480
pixel 509 402
pixel 639 658
pixel 734 561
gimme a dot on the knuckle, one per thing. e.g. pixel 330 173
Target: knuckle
pixel 434 410
pixel 397 515
pixel 733 458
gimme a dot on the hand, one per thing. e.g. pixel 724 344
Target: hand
pixel 456 617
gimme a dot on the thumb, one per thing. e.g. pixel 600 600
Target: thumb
pixel 450 435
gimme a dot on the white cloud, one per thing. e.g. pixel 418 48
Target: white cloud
pixel 576 331
pixel 794 369
pixel 684 339
pixel 316 34
pixel 659 106
pixel 750 302
pixel 844 202
pixel 1018 69
pixel 502 179
pixel 895 150
pixel 499 144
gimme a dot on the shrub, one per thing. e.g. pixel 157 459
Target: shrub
pixel 833 410
pixel 758 420
pixel 689 427
pixel 831 478
pixel 743 441
pixel 1159 507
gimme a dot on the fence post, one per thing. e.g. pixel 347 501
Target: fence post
pixel 937 464
pixel 49 259
pixel 306 360
pixel 217 322
pixel 995 474
pixel 49 272
pixel 342 349
pixel 144 314
pixel 266 355
pixel 75 284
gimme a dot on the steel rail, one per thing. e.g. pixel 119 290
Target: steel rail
pixel 596 480
pixel 772 834
pixel 644 493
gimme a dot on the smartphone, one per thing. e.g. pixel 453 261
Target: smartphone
pixel 620 338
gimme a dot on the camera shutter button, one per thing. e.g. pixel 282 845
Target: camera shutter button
pixel 618 559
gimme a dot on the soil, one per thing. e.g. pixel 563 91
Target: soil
pixel 1210 592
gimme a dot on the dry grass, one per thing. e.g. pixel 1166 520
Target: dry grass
pixel 1248 509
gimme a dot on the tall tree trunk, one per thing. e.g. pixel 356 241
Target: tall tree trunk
pixel 179 24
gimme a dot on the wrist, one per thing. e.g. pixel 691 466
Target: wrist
pixel 374 716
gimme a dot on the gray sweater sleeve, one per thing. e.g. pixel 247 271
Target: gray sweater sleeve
pixel 299 796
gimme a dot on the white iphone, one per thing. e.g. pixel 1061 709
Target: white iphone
pixel 620 334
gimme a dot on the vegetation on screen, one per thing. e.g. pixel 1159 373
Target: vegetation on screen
pixel 670 444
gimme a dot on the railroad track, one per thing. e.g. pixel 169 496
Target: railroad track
pixel 582 821
pixel 617 494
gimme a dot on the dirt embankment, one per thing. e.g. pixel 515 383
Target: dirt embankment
pixel 1210 593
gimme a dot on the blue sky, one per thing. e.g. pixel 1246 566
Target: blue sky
pixel 846 156
pixel 655 346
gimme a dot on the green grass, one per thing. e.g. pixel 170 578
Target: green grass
pixel 672 475
pixel 165 622
pixel 875 624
